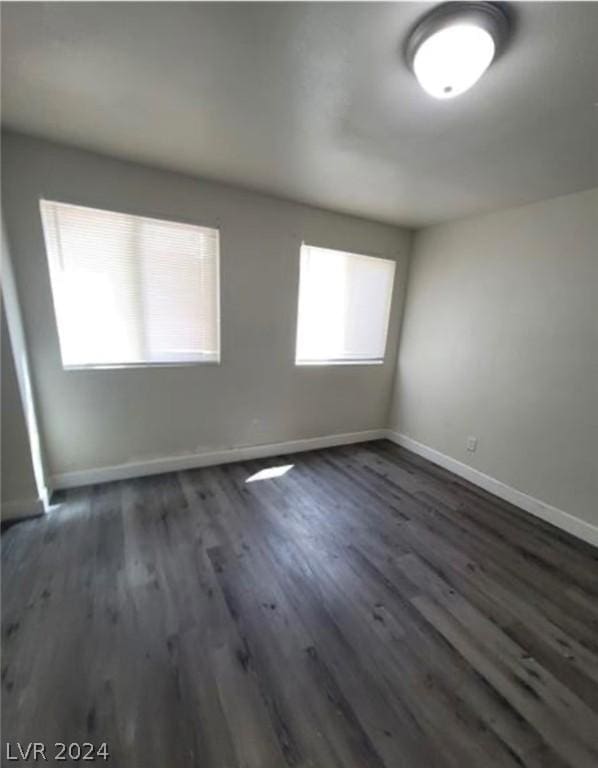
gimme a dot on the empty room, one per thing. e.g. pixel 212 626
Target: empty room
pixel 299 384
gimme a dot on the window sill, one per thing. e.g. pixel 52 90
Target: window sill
pixel 320 363
pixel 129 366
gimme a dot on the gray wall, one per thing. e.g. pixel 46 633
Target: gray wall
pixel 23 474
pixel 19 491
pixel 98 418
pixel 500 341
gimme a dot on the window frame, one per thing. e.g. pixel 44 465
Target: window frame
pixel 137 364
pixel 335 362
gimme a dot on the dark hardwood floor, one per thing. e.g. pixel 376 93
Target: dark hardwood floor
pixel 365 609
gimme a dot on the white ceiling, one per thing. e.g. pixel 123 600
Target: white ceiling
pixel 310 101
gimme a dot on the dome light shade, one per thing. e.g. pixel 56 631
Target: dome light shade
pixel 452 60
pixel 451 48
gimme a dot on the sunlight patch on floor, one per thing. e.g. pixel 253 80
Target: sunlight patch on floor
pixel 270 472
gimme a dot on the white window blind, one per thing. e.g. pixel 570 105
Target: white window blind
pixel 130 290
pixel 344 307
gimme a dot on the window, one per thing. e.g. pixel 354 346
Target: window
pixel 129 290
pixel 344 306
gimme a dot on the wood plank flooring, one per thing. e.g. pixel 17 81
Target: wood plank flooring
pixel 364 609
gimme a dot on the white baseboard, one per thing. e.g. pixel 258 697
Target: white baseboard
pixel 22 508
pixel 206 459
pixel 558 517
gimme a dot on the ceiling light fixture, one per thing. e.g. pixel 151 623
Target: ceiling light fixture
pixel 451 47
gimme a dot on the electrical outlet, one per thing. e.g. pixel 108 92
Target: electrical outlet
pixel 472 443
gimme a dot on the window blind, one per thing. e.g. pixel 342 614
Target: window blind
pixel 344 306
pixel 131 290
